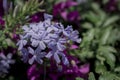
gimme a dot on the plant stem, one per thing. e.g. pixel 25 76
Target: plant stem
pixel 44 70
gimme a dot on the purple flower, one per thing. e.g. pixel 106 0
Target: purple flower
pixel 36 55
pixel 36 17
pixel 73 16
pixel 46 39
pixel 73 46
pixel 33 73
pixel 21 42
pixel 61 9
pixel 111 5
pixel 5 62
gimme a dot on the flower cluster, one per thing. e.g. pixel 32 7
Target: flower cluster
pixel 46 39
pixel 5 62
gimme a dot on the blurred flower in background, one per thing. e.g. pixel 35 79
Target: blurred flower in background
pixel 62 10
pixel 5 62
pixel 59 72
pixel 111 5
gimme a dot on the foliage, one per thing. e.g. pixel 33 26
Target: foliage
pixel 102 33
pixel 15 18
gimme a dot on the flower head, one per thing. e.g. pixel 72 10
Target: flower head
pixel 46 39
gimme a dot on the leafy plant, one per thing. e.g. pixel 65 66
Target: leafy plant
pixel 99 41
pixel 15 18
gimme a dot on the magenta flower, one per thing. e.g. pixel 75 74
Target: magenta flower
pixel 57 72
pixel 73 46
pixel 111 5
pixel 37 17
pixel 61 9
pixel 73 16
pixel 33 73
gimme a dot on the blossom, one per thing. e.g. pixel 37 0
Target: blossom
pixel 61 9
pixel 5 62
pixel 111 5
pixel 46 39
pixel 36 55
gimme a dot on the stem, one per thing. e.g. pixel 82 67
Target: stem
pixel 44 70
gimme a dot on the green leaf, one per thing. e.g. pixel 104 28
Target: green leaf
pixel 10 42
pixel 105 36
pixel 78 78
pixel 107 53
pixel 107 49
pixel 110 59
pixel 117 69
pixel 87 25
pixel 109 76
pixel 91 76
pixel 110 21
pixel 99 68
pixel 105 1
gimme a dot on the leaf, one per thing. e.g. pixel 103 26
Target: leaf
pixel 107 49
pixel 105 36
pixel 91 76
pixel 110 21
pixel 78 78
pixel 107 53
pixel 117 69
pixel 99 68
pixel 105 1
pixel 10 42
pixel 87 25
pixel 110 59
pixel 109 76
pixel 91 16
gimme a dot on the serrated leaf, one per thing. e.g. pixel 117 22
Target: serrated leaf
pixel 110 59
pixel 107 53
pixel 107 49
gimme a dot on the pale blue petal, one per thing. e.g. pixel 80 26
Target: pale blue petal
pixel 35 43
pixel 47 16
pixel 42 45
pixel 49 55
pixel 56 57
pixel 31 51
pixel 31 60
pixel 60 47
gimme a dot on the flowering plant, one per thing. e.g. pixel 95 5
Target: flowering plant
pixel 79 41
